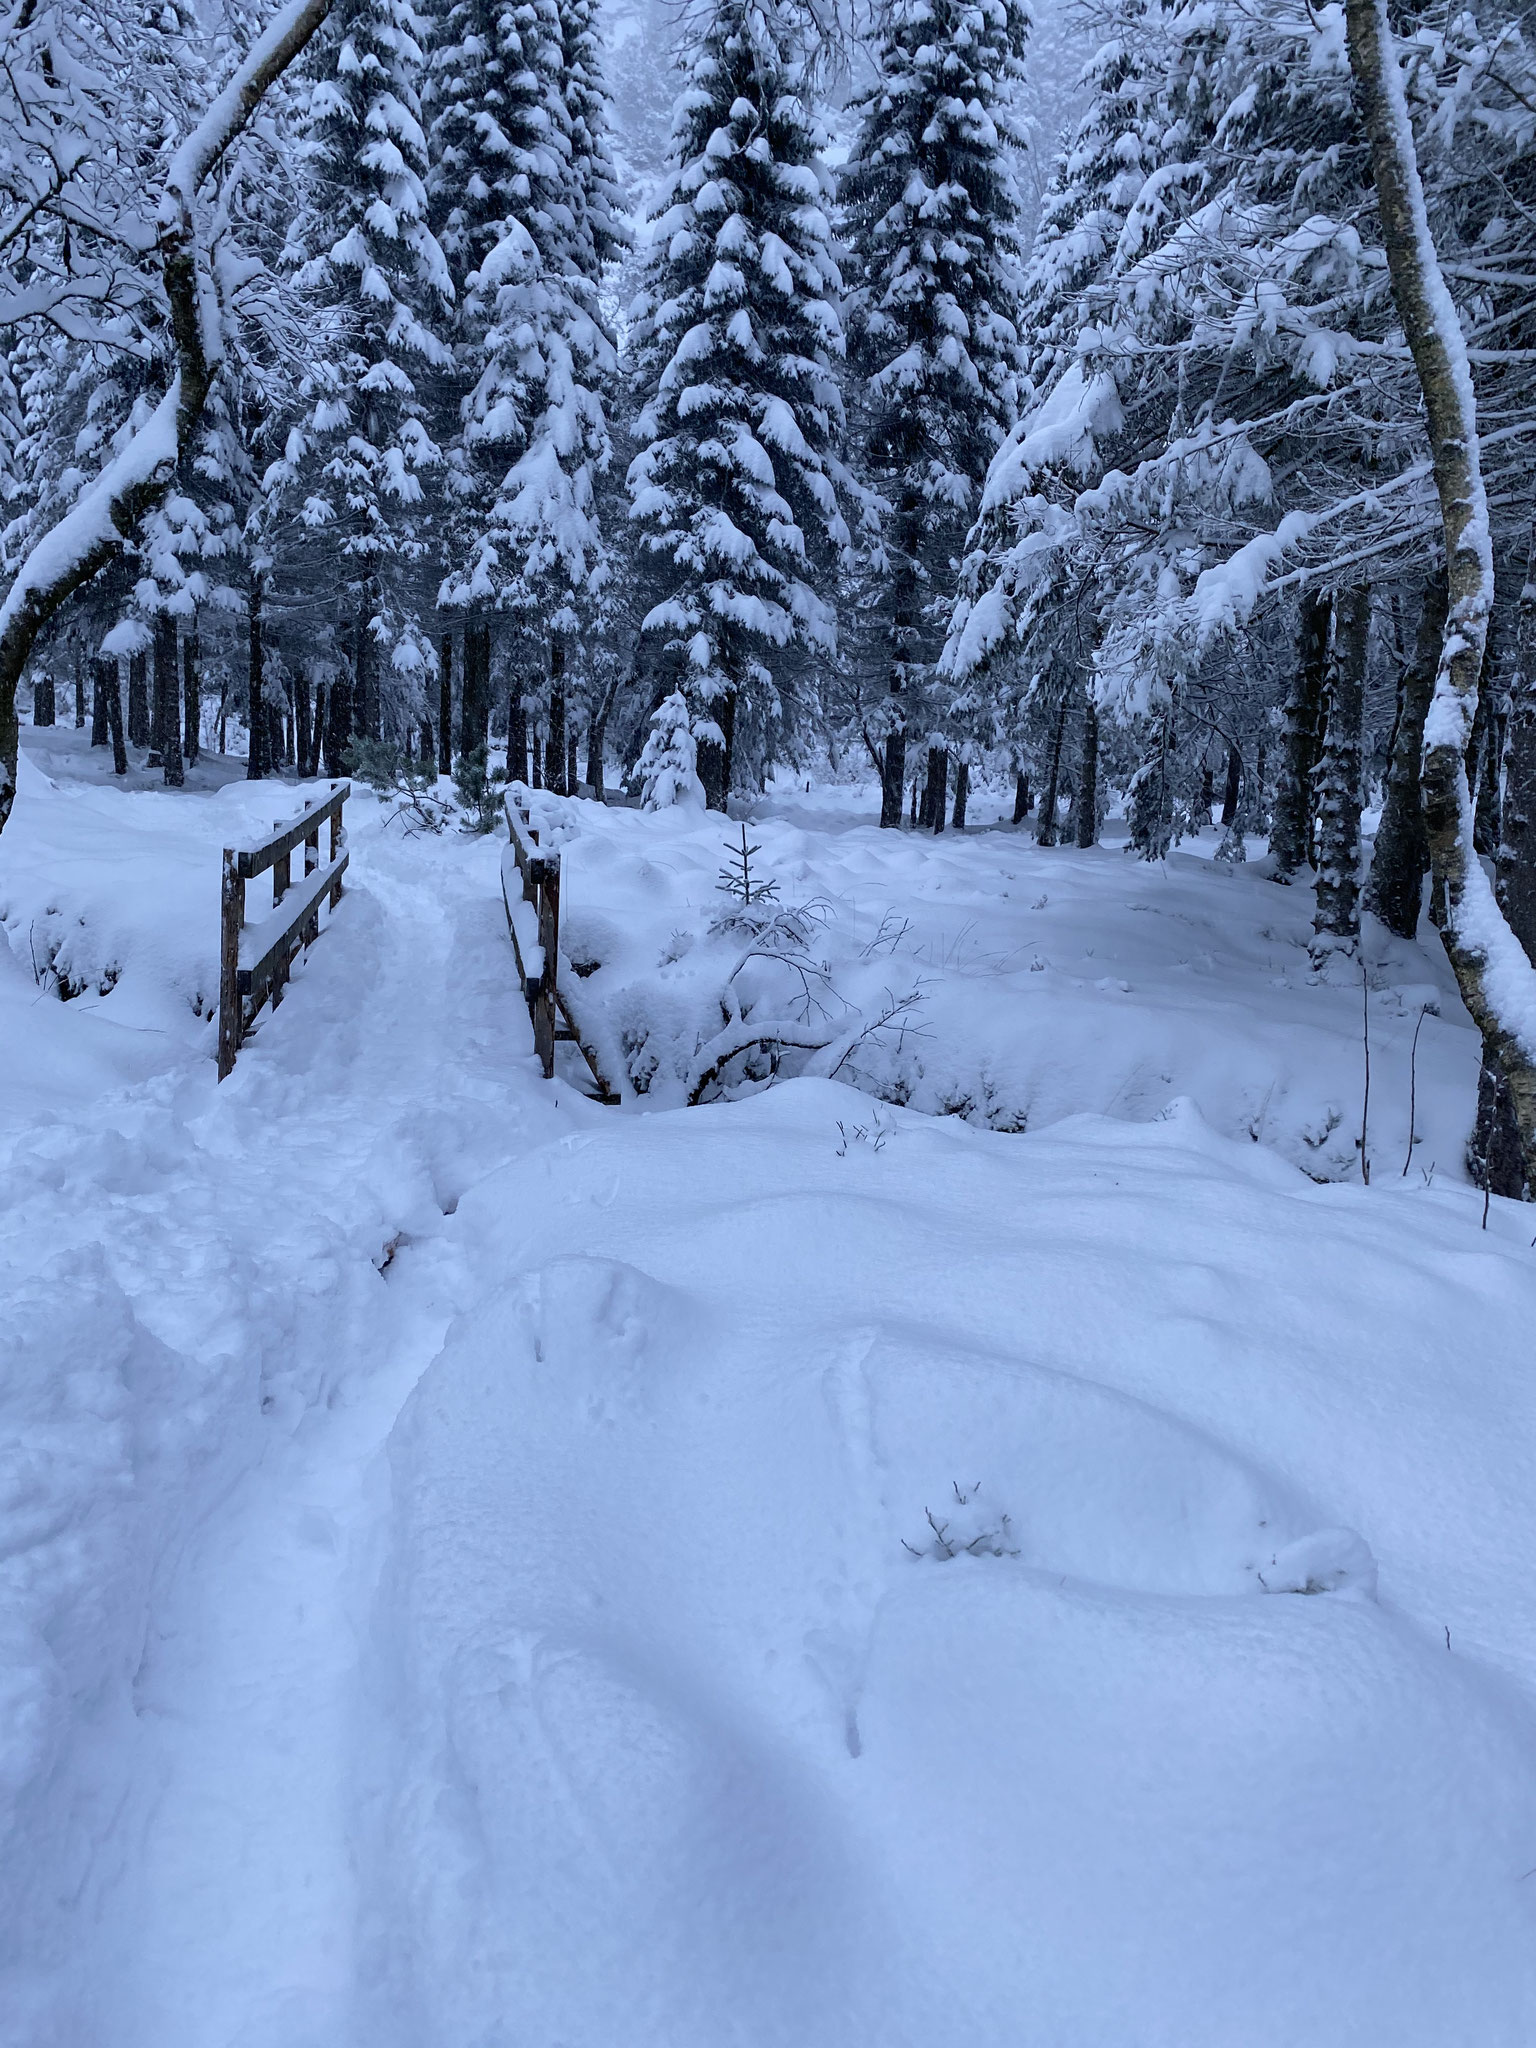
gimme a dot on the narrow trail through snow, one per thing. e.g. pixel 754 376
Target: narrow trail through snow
pixel 235 1916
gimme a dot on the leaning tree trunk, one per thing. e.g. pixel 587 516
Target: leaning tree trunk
pixel 1336 921
pixel 1496 980
pixel 1290 832
pixel 1394 892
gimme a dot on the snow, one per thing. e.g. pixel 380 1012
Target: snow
pixel 466 1567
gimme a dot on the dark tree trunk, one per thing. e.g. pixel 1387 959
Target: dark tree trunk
pixel 44 701
pixel 538 762
pixel 714 757
pixel 597 739
pixel 1487 822
pixel 338 725
pixel 1045 820
pixel 317 726
pixel 925 803
pixel 517 738
pixel 1290 832
pixel 369 709
pixel 277 745
pixel 302 715
pixel 893 765
pixel 962 794
pixel 914 800
pixel 1088 777
pixel 445 705
pixel 1232 789
pixel 192 698
pixel 938 772
pixel 100 735
pixel 572 770
pixel 1020 796
pixel 1394 890
pixel 555 752
pixel 1337 917
pixel 1517 841
pixel 168 699
pixel 110 687
pixel 138 702
pixel 1152 795
pixel 256 719
pixel 79 691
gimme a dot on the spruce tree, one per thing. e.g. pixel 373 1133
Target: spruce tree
pixel 738 490
pixel 931 221
pixel 366 454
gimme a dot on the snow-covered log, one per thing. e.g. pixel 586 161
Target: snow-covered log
pixel 93 532
pixel 1497 981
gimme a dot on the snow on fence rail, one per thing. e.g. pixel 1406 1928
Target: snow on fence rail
pixel 533 921
pixel 254 959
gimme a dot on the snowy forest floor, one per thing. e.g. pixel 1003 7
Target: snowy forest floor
pixel 478 1568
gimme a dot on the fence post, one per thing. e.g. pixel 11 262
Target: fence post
pixel 311 862
pixel 282 882
pixel 544 1015
pixel 231 917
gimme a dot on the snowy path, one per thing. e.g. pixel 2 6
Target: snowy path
pixel 236 1921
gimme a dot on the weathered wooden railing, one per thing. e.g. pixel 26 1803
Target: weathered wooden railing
pixel 533 920
pixel 254 959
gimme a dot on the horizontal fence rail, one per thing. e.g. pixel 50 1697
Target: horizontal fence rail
pixel 533 921
pixel 255 959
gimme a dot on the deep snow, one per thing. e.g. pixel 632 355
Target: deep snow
pixel 465 1560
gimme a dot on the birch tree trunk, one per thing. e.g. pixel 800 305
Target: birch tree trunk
pixel 1496 980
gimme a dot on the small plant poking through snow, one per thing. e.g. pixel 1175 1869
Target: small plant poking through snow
pixel 737 878
pixel 479 792
pixel 395 776
pixel 975 1534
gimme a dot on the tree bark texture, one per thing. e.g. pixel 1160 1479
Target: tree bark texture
pixel 1290 832
pixel 1336 919
pixel 192 697
pixel 445 704
pixel 138 701
pixel 555 751
pixel 256 717
pixel 1394 891
pixel 1088 776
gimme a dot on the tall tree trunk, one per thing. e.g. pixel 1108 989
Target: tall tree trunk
pixel 256 720
pixel 517 736
pixel 109 682
pixel 597 738
pixel 1290 832
pixel 168 697
pixel 1487 820
pixel 338 725
pixel 100 736
pixel 369 708
pixel 79 688
pixel 301 720
pixel 938 775
pixel 1020 795
pixel 555 755
pixel 192 697
pixel 1045 819
pixel 1336 921
pixel 572 771
pixel 1496 980
pixel 1232 789
pixel 138 702
pixel 1152 794
pixel 962 793
pixel 537 751
pixel 44 700
pixel 1088 776
pixel 893 766
pixel 1394 890
pixel 445 704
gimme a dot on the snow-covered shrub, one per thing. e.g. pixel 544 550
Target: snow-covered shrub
pixel 668 768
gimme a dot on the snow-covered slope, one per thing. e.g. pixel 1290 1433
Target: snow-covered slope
pixel 466 1566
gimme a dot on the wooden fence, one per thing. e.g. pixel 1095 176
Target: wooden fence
pixel 533 920
pixel 255 959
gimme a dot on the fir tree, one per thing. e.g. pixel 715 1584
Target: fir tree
pixel 366 453
pixel 932 211
pixel 738 488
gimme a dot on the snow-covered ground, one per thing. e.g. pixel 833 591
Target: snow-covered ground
pixel 480 1568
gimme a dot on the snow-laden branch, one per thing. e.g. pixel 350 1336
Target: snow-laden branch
pixel 93 532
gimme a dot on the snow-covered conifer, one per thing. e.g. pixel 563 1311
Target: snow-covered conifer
pixel 931 217
pixel 668 766
pixel 739 489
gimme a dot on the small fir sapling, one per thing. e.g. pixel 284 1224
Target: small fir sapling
pixel 478 788
pixel 737 879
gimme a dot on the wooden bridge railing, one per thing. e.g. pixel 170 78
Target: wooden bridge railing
pixel 255 959
pixel 533 920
